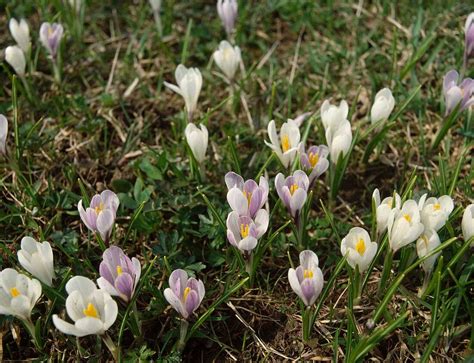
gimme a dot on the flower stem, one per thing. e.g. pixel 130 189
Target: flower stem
pixel 135 315
pixel 356 287
pixel 426 282
pixel 249 269
pixel 111 346
pixel 183 332
pixel 57 73
pixel 159 26
pixel 387 266
pixel 306 316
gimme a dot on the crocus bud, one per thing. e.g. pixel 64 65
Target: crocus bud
pixel 334 116
pixel 76 5
pixel 119 274
pixel 189 86
pixel 339 140
pixel 155 5
pixel 50 37
pixel 455 94
pixel 469 37
pixel 184 294
pixel 428 241
pixel 19 294
pixel 227 58
pixel 383 105
pixel 37 259
pixel 243 232
pixel 467 223
pixel 300 118
pixel 307 279
pixel 21 33
pixel 314 161
pixel 100 215
pixel 197 140
pixel 293 191
pixel 3 134
pixel 285 146
pixel 435 212
pixel 93 310
pixel 384 208
pixel 246 198
pixel 404 226
pixel 227 10
pixel 16 59
pixel 358 248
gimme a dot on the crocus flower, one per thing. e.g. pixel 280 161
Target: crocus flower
pixel 286 145
pixel 314 161
pixel 455 94
pixel 293 191
pixel 435 211
pixel 197 140
pixel 50 37
pixel 227 58
pixel 339 140
pixel 428 241
pixel 334 116
pixel 383 105
pixel 189 86
pixel 467 223
pixel 307 280
pixel 469 37
pixel 37 259
pixel 404 225
pixel 119 274
pixel 18 294
pixel 384 208
pixel 227 10
pixel 358 248
pixel 16 59
pixel 100 216
pixel 93 310
pixel 3 134
pixel 246 198
pixel 184 294
pixel 243 232
pixel 21 33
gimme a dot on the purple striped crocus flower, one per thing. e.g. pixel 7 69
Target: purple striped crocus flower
pixel 455 94
pixel 246 197
pixel 50 37
pixel 243 232
pixel 314 161
pixel 293 191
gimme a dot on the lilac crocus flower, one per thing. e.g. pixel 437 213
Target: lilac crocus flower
pixel 100 216
pixel 293 190
pixel 227 10
pixel 307 280
pixel 243 232
pixel 50 37
pixel 184 294
pixel 246 198
pixel 454 94
pixel 314 161
pixel 119 274
pixel 469 37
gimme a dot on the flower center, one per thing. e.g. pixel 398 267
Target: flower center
pixel 186 293
pixel 285 143
pixel 308 274
pixel 313 159
pixel 99 208
pixel 390 202
pixel 90 311
pixel 293 188
pixel 14 292
pixel 248 196
pixel 437 206
pixel 407 217
pixel 119 270
pixel 244 230
pixel 360 246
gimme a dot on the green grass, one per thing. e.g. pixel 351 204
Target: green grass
pixel 84 135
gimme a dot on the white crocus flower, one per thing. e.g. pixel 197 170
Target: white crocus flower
pixel 189 86
pixel 467 223
pixel 21 33
pixel 339 140
pixel 3 134
pixel 383 105
pixel 197 140
pixel 18 294
pixel 358 248
pixel 435 211
pixel 428 241
pixel 285 145
pixel 383 209
pixel 334 116
pixel 93 310
pixel 37 259
pixel 404 225
pixel 16 59
pixel 227 58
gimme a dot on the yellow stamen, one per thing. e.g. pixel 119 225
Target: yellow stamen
pixel 293 188
pixel 186 293
pixel 407 217
pixel 285 143
pixel 90 311
pixel 437 206
pixel 247 195
pixel 313 159
pixel 99 208
pixel 425 239
pixel 14 292
pixel 119 270
pixel 360 246
pixel 244 230
pixel 390 202
pixel 308 274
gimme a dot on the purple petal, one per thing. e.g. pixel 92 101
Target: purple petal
pixel 178 281
pixel 308 291
pixel 110 200
pixel 105 223
pixel 125 285
pixel 105 272
pixel 192 302
pixel 234 180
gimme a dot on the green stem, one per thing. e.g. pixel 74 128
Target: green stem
pixel 306 316
pixel 249 269
pixel 387 266
pixel 135 315
pixel 57 73
pixel 32 331
pixel 159 26
pixel 426 282
pixel 111 346
pixel 356 287
pixel 183 331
